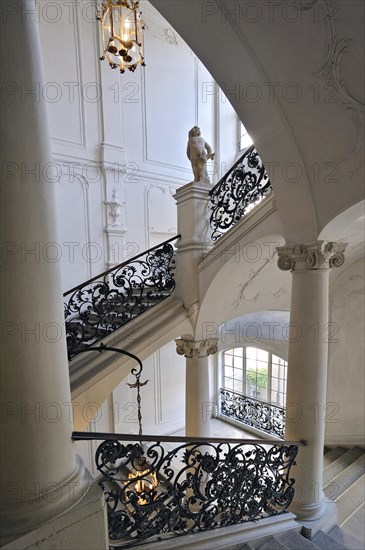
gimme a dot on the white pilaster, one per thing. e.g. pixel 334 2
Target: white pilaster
pixel 42 477
pixel 307 366
pixel 198 407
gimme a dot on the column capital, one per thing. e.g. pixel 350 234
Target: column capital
pixel 311 256
pixel 201 348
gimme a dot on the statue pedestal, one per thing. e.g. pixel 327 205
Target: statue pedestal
pixel 192 202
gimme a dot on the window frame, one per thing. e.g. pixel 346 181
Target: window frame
pixel 244 371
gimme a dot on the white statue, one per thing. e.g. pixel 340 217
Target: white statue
pixel 199 152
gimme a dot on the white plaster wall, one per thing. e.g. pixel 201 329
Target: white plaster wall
pixel 127 132
pixel 345 393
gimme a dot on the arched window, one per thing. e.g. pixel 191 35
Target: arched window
pixel 256 373
pixel 244 139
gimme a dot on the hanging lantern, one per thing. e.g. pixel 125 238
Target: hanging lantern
pixel 145 484
pixel 122 29
pixel 142 483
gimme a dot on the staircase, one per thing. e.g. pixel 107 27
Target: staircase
pixel 343 482
pixel 107 302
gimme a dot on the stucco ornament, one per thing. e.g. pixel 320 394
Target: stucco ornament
pixel 315 255
pixel 202 348
pixel 114 206
pixel 199 152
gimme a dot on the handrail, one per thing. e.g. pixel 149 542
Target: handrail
pixel 88 436
pixel 118 266
pixel 247 151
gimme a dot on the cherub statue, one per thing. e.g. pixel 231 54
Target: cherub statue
pixel 198 152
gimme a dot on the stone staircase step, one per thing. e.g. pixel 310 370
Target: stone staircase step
pixel 272 544
pixel 340 464
pixel 325 542
pixel 355 524
pixel 295 541
pixel 333 454
pixel 345 479
pixel 347 540
pixel 351 499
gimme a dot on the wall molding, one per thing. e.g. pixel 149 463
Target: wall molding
pixel 147 213
pixel 113 155
pixel 338 47
pixel 78 50
pixel 146 157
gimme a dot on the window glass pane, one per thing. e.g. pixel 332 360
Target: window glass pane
pixel 262 377
pixel 228 371
pixel 250 364
pixel 275 398
pixel 245 140
pixel 278 381
pixel 278 399
pixel 275 370
pixel 282 399
pixel 238 363
pixel 261 393
pixel 238 374
pixel 251 377
pixel 233 369
pixel 251 353
pixel 238 386
pixel 262 355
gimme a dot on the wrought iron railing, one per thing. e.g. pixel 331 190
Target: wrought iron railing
pixel 253 412
pixel 108 301
pixel 246 183
pixel 179 486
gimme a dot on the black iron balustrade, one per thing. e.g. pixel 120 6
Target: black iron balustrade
pixel 246 183
pixel 253 412
pixel 108 301
pixel 197 484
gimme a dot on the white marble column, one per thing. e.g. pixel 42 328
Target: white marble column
pixel 199 403
pixel 42 477
pixel 307 366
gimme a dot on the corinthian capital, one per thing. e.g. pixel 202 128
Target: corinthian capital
pixel 315 255
pixel 201 348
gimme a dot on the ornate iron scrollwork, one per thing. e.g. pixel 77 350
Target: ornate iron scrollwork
pixel 197 486
pixel 245 184
pixel 252 412
pixel 107 302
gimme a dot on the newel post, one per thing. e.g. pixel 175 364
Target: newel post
pixel 193 225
